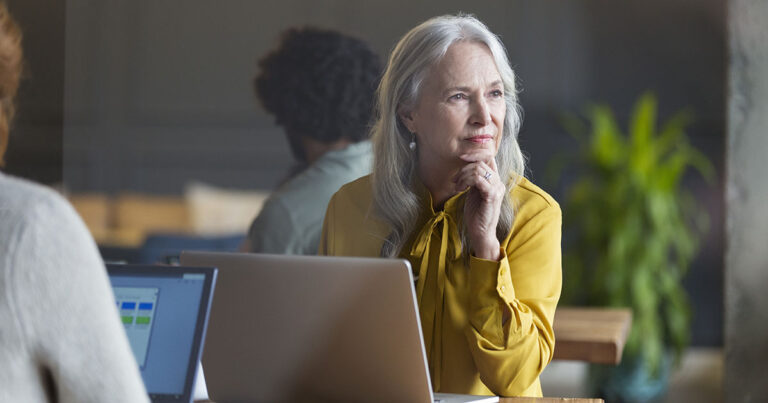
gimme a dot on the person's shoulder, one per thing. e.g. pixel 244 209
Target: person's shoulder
pixel 362 184
pixel 526 192
pixel 536 213
pixel 341 166
pixel 358 192
pixel 352 229
pixel 312 190
pixel 531 200
pixel 357 156
pixel 31 208
pixel 323 178
pixel 24 199
pixel 354 201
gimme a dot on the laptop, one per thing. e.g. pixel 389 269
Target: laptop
pixel 165 312
pixel 309 328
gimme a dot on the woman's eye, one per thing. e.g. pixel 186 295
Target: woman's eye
pixel 457 97
pixel 497 93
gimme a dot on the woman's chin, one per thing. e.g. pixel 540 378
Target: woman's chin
pixel 488 146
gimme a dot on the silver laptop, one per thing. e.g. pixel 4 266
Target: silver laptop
pixel 308 328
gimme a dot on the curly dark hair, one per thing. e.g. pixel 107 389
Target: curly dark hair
pixel 321 84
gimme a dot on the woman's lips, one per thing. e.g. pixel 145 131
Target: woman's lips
pixel 480 139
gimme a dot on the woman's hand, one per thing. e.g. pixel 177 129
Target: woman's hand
pixel 483 203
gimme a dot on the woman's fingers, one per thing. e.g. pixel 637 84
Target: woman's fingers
pixel 479 175
pixel 492 164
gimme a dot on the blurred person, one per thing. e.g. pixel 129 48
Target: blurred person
pixel 448 193
pixel 319 85
pixel 61 339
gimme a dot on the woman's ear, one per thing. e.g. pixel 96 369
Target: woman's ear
pixel 406 117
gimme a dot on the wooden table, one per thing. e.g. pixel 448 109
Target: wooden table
pixel 547 400
pixel 595 335
pixel 516 400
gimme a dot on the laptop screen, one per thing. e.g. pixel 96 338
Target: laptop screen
pixel 164 310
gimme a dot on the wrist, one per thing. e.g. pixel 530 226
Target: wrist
pixel 490 250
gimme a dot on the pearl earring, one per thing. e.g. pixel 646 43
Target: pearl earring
pixel 412 144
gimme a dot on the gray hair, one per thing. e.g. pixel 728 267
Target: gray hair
pixel 394 167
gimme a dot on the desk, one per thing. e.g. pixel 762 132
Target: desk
pixel 595 335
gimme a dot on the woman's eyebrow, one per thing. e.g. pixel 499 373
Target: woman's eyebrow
pixel 457 89
pixel 448 90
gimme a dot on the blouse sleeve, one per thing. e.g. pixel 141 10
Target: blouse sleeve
pixel 510 333
pixel 67 311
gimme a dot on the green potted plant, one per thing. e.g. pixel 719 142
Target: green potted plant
pixel 631 231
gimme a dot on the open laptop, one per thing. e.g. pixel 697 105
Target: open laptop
pixel 165 312
pixel 308 328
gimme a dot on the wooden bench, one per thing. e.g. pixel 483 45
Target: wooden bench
pixel 595 335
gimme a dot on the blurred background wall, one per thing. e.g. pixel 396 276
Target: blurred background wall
pixel 146 96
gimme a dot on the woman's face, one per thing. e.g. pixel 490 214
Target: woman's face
pixel 461 108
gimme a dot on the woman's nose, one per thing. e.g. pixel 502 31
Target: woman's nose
pixel 480 113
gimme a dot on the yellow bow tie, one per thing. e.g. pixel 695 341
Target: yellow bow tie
pixel 450 234
pixel 450 245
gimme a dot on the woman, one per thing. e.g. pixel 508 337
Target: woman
pixel 448 193
pixel 60 336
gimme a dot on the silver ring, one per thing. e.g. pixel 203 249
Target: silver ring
pixel 487 175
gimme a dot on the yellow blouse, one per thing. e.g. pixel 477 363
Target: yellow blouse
pixel 472 346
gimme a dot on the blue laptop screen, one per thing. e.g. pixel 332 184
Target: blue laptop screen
pixel 160 314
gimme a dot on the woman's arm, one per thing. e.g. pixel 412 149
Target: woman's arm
pixel 513 305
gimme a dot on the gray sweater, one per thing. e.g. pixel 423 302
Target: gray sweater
pixel 60 335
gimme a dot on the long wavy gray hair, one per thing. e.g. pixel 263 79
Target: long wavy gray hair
pixel 394 167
